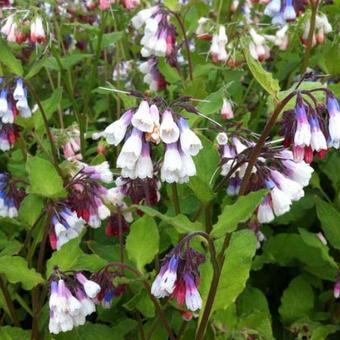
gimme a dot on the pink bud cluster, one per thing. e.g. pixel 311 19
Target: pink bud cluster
pixel 311 130
pixel 18 31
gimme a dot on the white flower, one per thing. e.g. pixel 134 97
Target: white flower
pixel 193 299
pixel 265 212
pixel 144 166
pixel 169 131
pixel 190 143
pixel 291 188
pixel 172 164
pixel 299 172
pixel 115 132
pixel 19 92
pixel 188 168
pixel 222 138
pixel 142 119
pixel 142 16
pixel 131 150
pixel 281 202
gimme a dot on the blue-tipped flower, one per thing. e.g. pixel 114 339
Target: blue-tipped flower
pixel 334 120
pixel 289 13
pixel 3 102
pixel 179 277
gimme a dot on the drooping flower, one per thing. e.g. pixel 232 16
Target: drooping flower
pixel 71 300
pixel 148 125
pixel 38 34
pixel 218 46
pixel 11 196
pixel 65 225
pixel 179 277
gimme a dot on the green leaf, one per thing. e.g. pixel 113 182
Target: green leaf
pixel 71 257
pixel 264 78
pixel 141 302
pixel 181 223
pixel 14 333
pixel 312 240
pixel 170 73
pixel 143 241
pixel 237 213
pixel 297 300
pixel 44 179
pixel 212 104
pixel 15 268
pixel 235 270
pixel 30 209
pixel 329 218
pixel 293 250
pixel 8 59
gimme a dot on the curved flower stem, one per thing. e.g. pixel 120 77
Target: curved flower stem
pixel 159 309
pixel 186 42
pixel 259 145
pixel 48 131
pixel 219 260
pixel 314 5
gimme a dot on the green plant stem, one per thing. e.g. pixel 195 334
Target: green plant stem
pixel 9 302
pixel 311 32
pixel 47 128
pixel 217 265
pixel 186 43
pixel 261 141
pixel 175 198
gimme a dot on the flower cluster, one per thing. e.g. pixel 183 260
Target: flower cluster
pixel 283 11
pixel 13 101
pixel 86 204
pixel 10 196
pixel 275 170
pixel 257 47
pixel 322 27
pixel 65 225
pixel 71 300
pixel 152 75
pixel 105 279
pixel 88 197
pixel 144 126
pixel 308 130
pixel 179 277
pixel 159 34
pixel 69 141
pixel 19 30
pixel 218 46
